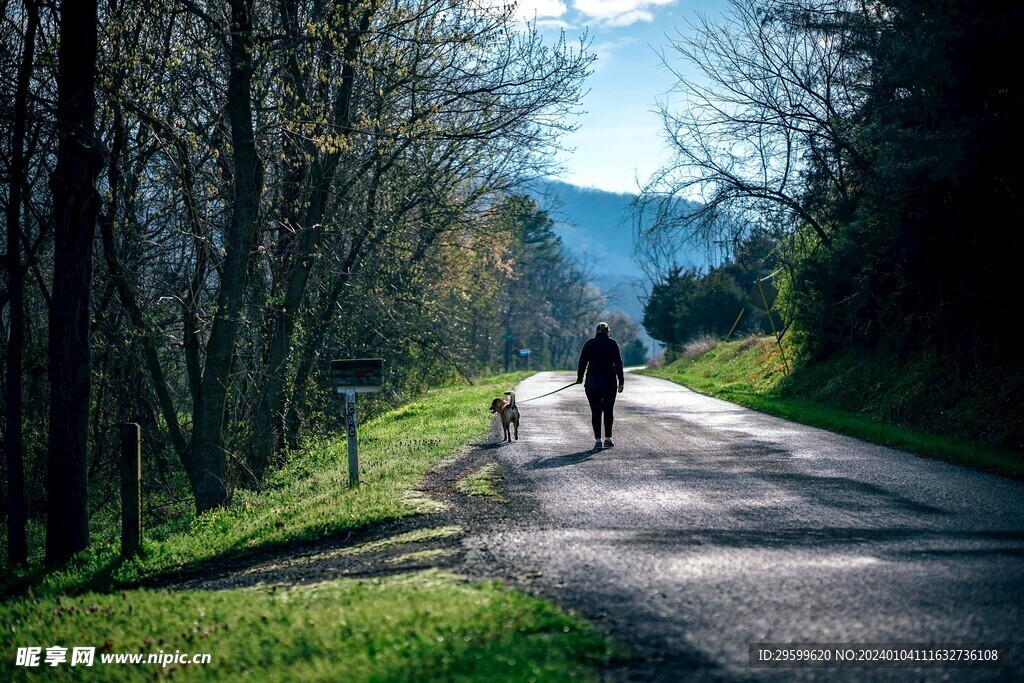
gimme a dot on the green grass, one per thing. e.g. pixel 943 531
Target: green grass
pixel 422 556
pixel 424 626
pixel 865 398
pixel 403 628
pixel 417 536
pixel 481 482
pixel 309 498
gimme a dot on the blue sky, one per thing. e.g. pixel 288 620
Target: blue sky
pixel 620 136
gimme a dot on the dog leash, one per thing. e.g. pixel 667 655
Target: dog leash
pixel 527 400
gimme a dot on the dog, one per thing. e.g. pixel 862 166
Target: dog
pixel 506 408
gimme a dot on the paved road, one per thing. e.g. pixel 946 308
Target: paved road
pixel 709 526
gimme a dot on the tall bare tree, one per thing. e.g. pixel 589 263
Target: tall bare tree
pixel 779 89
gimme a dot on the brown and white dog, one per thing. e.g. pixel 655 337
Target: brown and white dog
pixel 506 408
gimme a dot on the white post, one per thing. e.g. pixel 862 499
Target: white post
pixel 353 441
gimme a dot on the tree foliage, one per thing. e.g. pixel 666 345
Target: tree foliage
pixel 689 303
pixel 280 182
pixel 868 138
pixel 548 303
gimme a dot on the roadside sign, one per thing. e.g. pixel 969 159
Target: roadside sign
pixel 361 375
pixel 350 377
pixel 524 352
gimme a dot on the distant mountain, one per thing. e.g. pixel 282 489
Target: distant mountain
pixel 598 227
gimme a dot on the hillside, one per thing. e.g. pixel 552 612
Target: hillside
pixel 908 403
pixel 597 226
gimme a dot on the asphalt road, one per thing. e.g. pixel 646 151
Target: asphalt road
pixel 709 527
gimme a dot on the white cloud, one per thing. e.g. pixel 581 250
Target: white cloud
pixel 552 24
pixel 618 12
pixel 552 14
pixel 541 9
pixel 630 17
pixel 606 50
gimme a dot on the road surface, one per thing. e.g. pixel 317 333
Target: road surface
pixel 709 527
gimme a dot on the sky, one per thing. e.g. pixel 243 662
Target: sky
pixel 619 142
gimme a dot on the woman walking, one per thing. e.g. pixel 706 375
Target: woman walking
pixel 602 363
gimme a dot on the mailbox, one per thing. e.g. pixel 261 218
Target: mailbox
pixel 361 375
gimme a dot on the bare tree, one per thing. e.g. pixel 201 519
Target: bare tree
pixel 208 413
pixel 763 133
pixel 267 162
pixel 441 97
pixel 304 211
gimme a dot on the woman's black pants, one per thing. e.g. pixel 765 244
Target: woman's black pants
pixel 602 402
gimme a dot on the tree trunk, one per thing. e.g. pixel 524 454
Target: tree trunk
pixel 76 208
pixel 208 420
pixel 272 395
pixel 17 513
pixel 266 417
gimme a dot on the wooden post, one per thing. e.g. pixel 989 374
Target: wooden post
pixel 131 490
pixel 353 439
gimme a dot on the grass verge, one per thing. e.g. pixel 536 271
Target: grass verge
pixel 307 499
pixel 401 628
pixel 424 626
pixel 751 373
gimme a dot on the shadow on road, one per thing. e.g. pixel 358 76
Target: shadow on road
pixel 559 461
pixel 881 540
pixel 845 493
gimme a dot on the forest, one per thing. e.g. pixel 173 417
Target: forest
pixel 873 146
pixel 205 202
